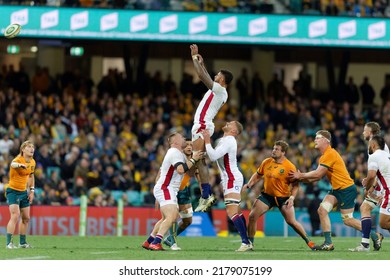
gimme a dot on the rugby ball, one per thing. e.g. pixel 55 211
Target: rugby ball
pixel 12 30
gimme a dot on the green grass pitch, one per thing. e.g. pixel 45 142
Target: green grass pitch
pixel 193 248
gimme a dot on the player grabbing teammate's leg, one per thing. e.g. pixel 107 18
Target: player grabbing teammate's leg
pixel 184 202
pixel 171 173
pixel 207 109
pixel 225 154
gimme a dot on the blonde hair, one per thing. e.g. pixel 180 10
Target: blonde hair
pixel 326 134
pixel 24 145
pixel 375 127
pixel 239 127
pixel 170 138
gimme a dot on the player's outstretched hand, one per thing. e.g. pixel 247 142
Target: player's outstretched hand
pixel 294 175
pixel 206 135
pixel 245 187
pixel 194 49
pixel 200 59
pixel 198 155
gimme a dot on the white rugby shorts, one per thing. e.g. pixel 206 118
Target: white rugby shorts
pixel 197 128
pixel 168 196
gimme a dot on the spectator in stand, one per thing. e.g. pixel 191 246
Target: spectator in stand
pixel 266 7
pixel 351 91
pixel 379 9
pixel 49 196
pixel 258 93
pixel 40 81
pixel 242 85
pixel 22 84
pixel 276 89
pixel 361 9
pixel 368 94
pixel 228 6
pixel 5 144
pixel 209 5
pixel 81 176
pixel 385 91
pixel 331 9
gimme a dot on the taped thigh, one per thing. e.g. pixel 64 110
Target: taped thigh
pixel 347 216
pixel 327 206
pixel 370 201
pixel 186 213
pixel 232 201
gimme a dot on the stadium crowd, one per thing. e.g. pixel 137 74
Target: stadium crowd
pixel 350 8
pixel 108 140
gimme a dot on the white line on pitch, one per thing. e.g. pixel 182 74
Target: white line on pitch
pixel 33 258
pixel 103 253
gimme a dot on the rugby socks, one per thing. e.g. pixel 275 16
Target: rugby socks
pixel 179 230
pixel 157 239
pixel 9 238
pixel 22 239
pixel 367 232
pixel 328 237
pixel 373 235
pixel 150 239
pixel 240 226
pixel 174 231
pixel 206 190
pixel 172 234
pixel 306 238
pixel 366 227
pixel 242 217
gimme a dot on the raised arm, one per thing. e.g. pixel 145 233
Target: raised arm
pixel 200 68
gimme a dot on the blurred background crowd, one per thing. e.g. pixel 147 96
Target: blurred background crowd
pixel 107 141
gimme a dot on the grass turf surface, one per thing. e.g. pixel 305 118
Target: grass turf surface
pixel 193 248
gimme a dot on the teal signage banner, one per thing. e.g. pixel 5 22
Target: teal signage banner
pixel 108 24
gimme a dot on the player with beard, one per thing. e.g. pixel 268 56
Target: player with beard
pixel 279 191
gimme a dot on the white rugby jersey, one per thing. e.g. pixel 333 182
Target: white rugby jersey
pixel 210 104
pixel 225 153
pixel 386 149
pixel 168 175
pixel 379 161
pixel 378 188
